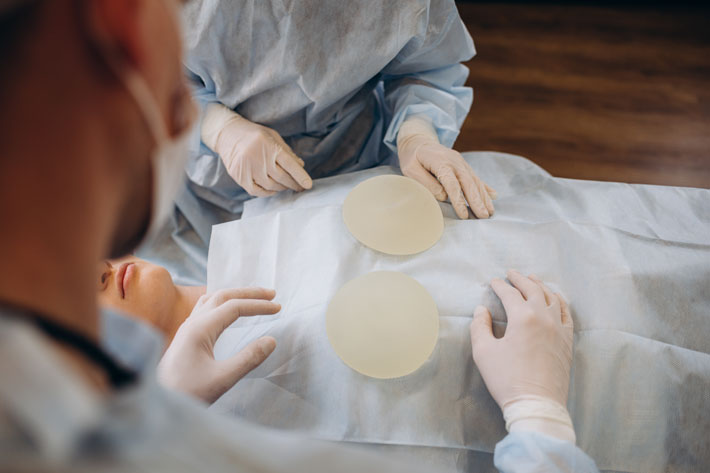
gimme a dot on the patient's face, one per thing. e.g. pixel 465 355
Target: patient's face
pixel 137 287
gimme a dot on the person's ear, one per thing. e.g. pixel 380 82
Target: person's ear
pixel 115 26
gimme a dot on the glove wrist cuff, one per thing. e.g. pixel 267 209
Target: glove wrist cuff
pixel 216 118
pixel 539 414
pixel 415 131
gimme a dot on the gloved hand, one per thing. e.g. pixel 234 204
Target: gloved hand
pixel 527 371
pixel 188 364
pixel 255 156
pixel 423 158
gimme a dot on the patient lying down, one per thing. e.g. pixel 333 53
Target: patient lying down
pixel 145 290
pixel 190 321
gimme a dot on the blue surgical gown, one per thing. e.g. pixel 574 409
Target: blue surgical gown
pixel 335 79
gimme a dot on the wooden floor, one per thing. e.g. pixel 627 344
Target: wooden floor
pixel 618 94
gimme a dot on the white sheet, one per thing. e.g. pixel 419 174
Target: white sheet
pixel 634 262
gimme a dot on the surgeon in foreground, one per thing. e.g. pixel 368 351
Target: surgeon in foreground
pixel 88 177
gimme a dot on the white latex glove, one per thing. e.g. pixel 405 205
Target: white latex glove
pixel 442 170
pixel 188 364
pixel 256 157
pixel 527 371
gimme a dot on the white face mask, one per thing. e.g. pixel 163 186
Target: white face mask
pixel 168 158
pixel 169 155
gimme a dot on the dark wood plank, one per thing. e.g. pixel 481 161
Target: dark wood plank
pixel 618 94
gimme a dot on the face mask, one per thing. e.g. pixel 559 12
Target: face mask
pixel 168 158
pixel 169 155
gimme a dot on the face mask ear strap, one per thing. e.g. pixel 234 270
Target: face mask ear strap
pixel 146 102
pixel 134 83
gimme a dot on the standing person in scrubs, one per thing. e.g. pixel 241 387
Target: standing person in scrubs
pixel 296 90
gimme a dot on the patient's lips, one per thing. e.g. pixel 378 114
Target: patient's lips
pixel 123 277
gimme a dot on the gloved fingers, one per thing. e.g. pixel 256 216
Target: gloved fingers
pixel 256 190
pixel 293 165
pixel 566 315
pixel 218 298
pixel 508 295
pixel 235 368
pixel 239 171
pixel 484 193
pixel 550 298
pixel 481 330
pixel 223 316
pixel 491 191
pixel 528 288
pixel 448 179
pixel 300 161
pixel 473 194
pixel 267 183
pixel 287 149
pixel 278 174
pixel 422 176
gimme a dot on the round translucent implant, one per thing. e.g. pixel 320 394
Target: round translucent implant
pixel 383 324
pixel 393 214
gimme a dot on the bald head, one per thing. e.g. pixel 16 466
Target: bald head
pixel 76 144
pixel 65 106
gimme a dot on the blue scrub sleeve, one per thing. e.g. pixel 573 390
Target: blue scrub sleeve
pixel 528 452
pixel 427 77
pixel 203 94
